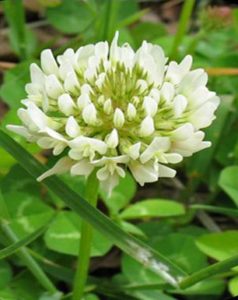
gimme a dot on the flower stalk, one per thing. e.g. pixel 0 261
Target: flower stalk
pixel 91 195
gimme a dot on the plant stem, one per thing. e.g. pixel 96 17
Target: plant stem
pixel 207 221
pixel 210 271
pixel 91 195
pixel 182 26
pixel 28 260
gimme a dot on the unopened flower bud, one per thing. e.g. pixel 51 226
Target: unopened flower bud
pixel 118 118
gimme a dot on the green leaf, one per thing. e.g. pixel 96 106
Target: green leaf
pixel 27 212
pixel 209 287
pixel 4 215
pixel 132 246
pixel 23 242
pixel 22 204
pixel 70 16
pixel 225 153
pixel 132 18
pixel 131 228
pixel 24 287
pixel 136 274
pixel 15 15
pixel 17 179
pixel 121 195
pixel 91 297
pixel 227 60
pixel 228 181
pixel 181 249
pixel 148 31
pixel 151 294
pixel 233 286
pixel 76 183
pixel 5 274
pixel 153 208
pixel 56 296
pixel 63 236
pixel 142 281
pixel 6 162
pixel 7 294
pixel 220 246
pixel 127 8
pixel 132 269
pixel 192 230
pixel 30 44
pixel 13 89
pixel 154 229
pixel 126 37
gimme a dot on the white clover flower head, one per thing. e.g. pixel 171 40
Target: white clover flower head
pixel 112 108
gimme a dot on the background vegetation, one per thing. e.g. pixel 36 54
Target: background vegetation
pixel 191 219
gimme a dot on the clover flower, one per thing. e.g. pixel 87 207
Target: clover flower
pixel 112 108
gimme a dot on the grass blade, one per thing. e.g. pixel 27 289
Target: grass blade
pixel 29 262
pixel 9 250
pixel 216 209
pixel 213 270
pixel 141 252
pixel 15 14
pixel 182 26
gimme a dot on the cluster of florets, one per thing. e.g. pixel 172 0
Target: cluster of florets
pixel 114 108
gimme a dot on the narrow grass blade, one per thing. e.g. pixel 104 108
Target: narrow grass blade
pixel 23 242
pixel 14 12
pixel 133 18
pixel 216 209
pixel 210 271
pixel 29 262
pixel 182 26
pixel 109 19
pixel 141 252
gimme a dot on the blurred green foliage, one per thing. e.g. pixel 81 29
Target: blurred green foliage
pixel 170 226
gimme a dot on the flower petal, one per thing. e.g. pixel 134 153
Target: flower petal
pixel 62 166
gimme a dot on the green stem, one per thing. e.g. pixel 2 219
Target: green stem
pixel 28 260
pixel 207 221
pixel 212 270
pixel 91 195
pixel 182 26
pixel 215 209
